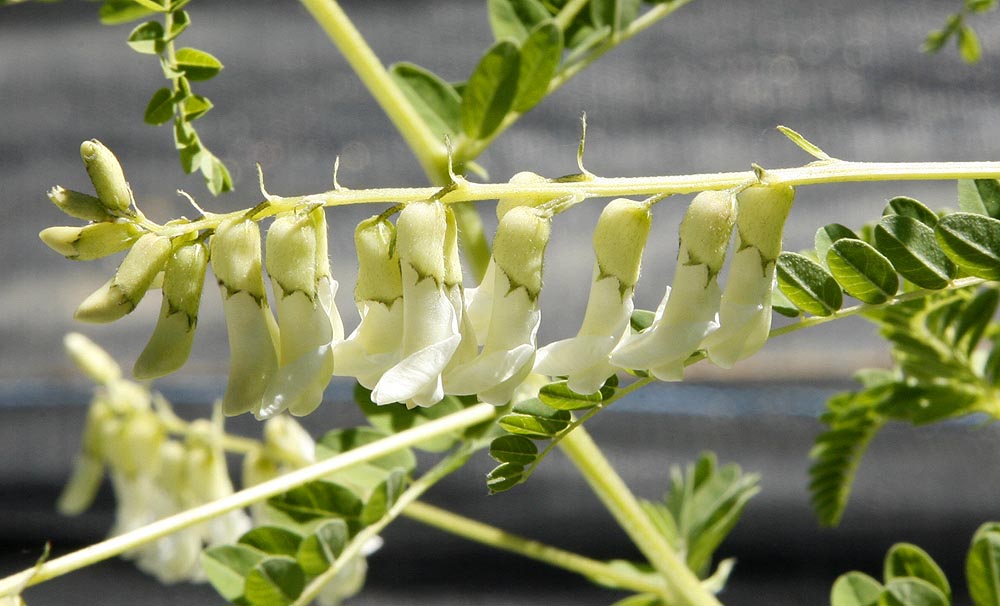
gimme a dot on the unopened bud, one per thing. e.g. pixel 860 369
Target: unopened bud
pixel 287 440
pixel 761 215
pixel 107 175
pixel 519 247
pixel 170 343
pixel 91 241
pixel 619 239
pixel 706 228
pixel 236 257
pixel 292 254
pixel 421 231
pixel 523 178
pixel 82 487
pixel 91 359
pixel 379 277
pixel 79 205
pixel 122 293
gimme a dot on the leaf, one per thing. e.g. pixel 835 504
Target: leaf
pixel 393 418
pixel 514 19
pixel 504 477
pixel 923 404
pixel 807 285
pixel 383 497
pixel 975 319
pixel 152 5
pixel 275 581
pixel 982 566
pixel 180 22
pixel 435 100
pixel 908 560
pixel 913 592
pixel 979 196
pixel 827 235
pixel 864 272
pixel 782 305
pixel 194 107
pixel 317 500
pixel 804 144
pixel 561 397
pixel 160 108
pixel 912 248
pixel 641 319
pixel 217 177
pixel 490 90
pixel 972 242
pixel 535 420
pixel 586 40
pixel 272 540
pixel 227 566
pixel 540 56
pixel 321 549
pixel 908 207
pixel 339 441
pixel 147 38
pixel 116 12
pixel 855 589
pixel 513 449
pixel 616 14
pixel 196 64
pixel 968 45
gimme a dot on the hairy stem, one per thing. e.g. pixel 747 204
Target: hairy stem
pixel 683 586
pixel 125 542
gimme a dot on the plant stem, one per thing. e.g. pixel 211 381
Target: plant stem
pixel 682 584
pixel 125 542
pixel 428 148
pixel 491 536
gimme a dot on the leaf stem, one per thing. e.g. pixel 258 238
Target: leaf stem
pixel 125 542
pixel 492 536
pixel 683 586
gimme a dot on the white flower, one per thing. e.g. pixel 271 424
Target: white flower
pixel 745 314
pixel 509 347
pixel 350 579
pixel 688 312
pixel 299 266
pixel 619 240
pixel 431 332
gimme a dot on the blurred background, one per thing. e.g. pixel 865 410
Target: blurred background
pixel 700 92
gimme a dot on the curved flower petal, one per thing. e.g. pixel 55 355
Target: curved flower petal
pixel 479 302
pixel 375 346
pixel 745 314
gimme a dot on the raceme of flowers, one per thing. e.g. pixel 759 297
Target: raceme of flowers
pixel 422 334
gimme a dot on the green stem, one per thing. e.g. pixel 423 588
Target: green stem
pixel 682 584
pixel 128 541
pixel 491 536
pixel 569 12
pixel 428 148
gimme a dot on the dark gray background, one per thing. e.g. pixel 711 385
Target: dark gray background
pixel 700 92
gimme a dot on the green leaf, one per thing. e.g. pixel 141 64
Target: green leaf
pixel 923 404
pixel 855 589
pixel 980 197
pixel 782 305
pixel 148 38
pixel 616 14
pixel 513 449
pixel 437 102
pixel 116 12
pixel 317 500
pixel 514 19
pixel 535 420
pixel 913 592
pixel 586 40
pixel 504 477
pixel 272 540
pixel 152 5
pixel 908 560
pixel 393 418
pixel 908 207
pixel 982 566
pixel 217 177
pixel 227 566
pixel 194 107
pixel 339 441
pixel 975 319
pixel 914 251
pixel 180 22
pixel 196 64
pixel 968 45
pixel 641 319
pixel 383 497
pixel 275 581
pixel 972 242
pixel 540 56
pixel 807 285
pixel 160 108
pixel 322 548
pixel 826 236
pixel 489 93
pixel 864 272
pixel 561 397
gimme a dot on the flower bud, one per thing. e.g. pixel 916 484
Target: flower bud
pixel 170 343
pixel 706 229
pixel 421 230
pixel 91 241
pixel 288 440
pixel 253 334
pixel 519 247
pixel 760 220
pixel 79 205
pixel 122 293
pixel 91 359
pixel 106 174
pixel 82 487
pixel 379 277
pixel 619 239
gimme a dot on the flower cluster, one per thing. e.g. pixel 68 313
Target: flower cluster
pixel 422 335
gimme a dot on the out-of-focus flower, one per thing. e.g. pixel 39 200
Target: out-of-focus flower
pixel 350 579
pixel 253 333
pixel 619 239
pixel 509 347
pixel 688 312
pixel 745 314
pixel 310 325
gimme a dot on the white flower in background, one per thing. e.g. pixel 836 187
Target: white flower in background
pixel 745 314
pixel 376 344
pixel 350 579
pixel 689 310
pixel 299 266
pixel 509 347
pixel 619 239
pixel 253 333
pixel 431 323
